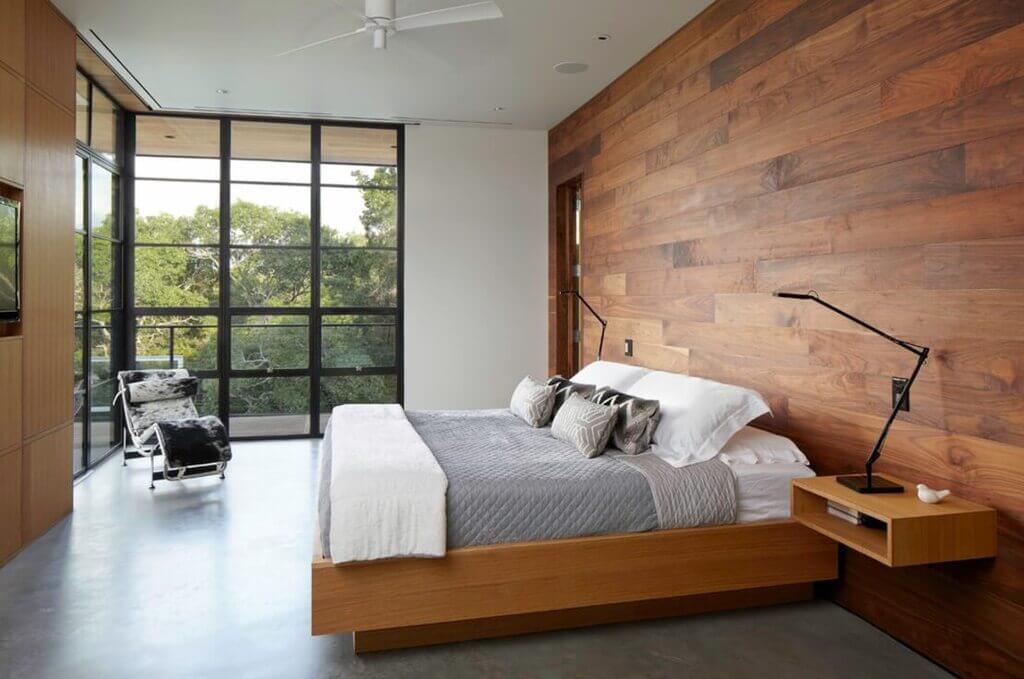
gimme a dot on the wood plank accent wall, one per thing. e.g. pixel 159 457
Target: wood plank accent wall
pixel 37 156
pixel 872 150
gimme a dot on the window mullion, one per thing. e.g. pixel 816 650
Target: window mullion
pixel 314 335
pixel 87 310
pixel 224 311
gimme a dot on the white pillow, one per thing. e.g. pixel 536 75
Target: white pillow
pixel 618 376
pixel 756 446
pixel 698 416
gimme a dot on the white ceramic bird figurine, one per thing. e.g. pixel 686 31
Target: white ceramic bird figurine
pixel 930 495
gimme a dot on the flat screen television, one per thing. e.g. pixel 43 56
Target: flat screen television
pixel 10 260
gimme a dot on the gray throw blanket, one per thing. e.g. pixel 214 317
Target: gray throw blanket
pixel 509 482
pixel 701 494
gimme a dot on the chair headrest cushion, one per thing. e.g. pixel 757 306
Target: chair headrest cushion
pixel 162 389
pixel 129 376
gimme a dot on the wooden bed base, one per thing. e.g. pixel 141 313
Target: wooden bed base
pixel 499 590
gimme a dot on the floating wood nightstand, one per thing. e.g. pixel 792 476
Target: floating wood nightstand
pixel 911 532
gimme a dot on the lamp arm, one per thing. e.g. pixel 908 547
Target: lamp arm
pixel 876 452
pixel 604 323
pixel 913 348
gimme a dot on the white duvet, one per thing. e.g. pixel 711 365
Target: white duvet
pixel 387 490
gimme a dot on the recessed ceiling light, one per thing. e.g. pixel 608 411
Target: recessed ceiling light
pixel 499 108
pixel 169 136
pixel 221 90
pixel 602 37
pixel 571 67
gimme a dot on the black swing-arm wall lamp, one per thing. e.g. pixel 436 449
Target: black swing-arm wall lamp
pixel 866 483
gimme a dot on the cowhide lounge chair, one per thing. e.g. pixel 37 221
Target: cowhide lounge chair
pixel 161 419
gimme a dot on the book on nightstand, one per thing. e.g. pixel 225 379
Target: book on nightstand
pixel 843 512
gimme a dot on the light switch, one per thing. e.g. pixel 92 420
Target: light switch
pixel 629 347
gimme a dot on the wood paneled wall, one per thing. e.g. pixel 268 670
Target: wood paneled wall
pixel 37 156
pixel 869 149
pixel 10 447
pixel 48 251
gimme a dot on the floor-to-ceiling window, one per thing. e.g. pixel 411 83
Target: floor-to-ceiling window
pixel 359 317
pixel 271 278
pixel 267 261
pixel 175 273
pixel 98 273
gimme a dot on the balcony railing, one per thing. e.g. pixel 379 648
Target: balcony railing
pixel 171 360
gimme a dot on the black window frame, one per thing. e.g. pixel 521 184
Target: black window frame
pixel 84 318
pixel 224 311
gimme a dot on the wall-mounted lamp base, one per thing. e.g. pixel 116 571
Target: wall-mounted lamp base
pixel 859 483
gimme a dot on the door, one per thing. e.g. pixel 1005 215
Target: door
pixel 569 330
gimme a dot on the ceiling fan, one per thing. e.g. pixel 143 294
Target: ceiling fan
pixel 380 21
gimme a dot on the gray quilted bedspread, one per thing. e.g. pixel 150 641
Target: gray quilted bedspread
pixel 509 482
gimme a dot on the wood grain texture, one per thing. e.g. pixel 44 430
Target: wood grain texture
pixel 10 382
pixel 12 128
pixel 37 151
pixel 527 623
pixel 914 533
pixel 50 53
pixel 12 35
pixel 10 503
pixel 804 21
pixel 46 482
pixel 873 151
pixel 531 577
pixel 101 73
pixel 48 252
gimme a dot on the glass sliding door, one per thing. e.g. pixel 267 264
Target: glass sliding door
pixel 99 310
pixel 267 261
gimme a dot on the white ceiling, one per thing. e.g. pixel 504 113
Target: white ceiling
pixel 182 51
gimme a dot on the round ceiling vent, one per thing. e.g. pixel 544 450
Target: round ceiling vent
pixel 571 67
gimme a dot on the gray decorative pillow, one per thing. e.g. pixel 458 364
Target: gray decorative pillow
pixel 565 388
pixel 637 419
pixel 532 402
pixel 585 424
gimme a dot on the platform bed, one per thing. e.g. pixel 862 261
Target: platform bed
pixel 517 588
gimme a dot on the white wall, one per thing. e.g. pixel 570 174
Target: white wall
pixel 476 257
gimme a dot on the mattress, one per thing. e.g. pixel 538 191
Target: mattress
pixel 763 490
pixel 511 483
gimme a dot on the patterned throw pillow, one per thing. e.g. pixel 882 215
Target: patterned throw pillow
pixel 585 424
pixel 532 402
pixel 565 388
pixel 637 419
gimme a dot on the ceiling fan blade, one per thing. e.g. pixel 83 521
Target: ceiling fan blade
pixel 478 11
pixel 321 42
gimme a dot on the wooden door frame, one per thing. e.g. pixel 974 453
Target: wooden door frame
pixel 566 308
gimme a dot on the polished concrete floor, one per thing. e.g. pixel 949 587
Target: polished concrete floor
pixel 211 579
